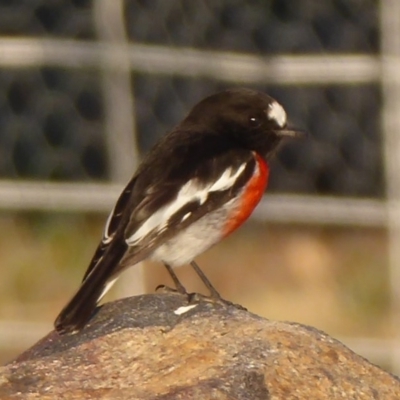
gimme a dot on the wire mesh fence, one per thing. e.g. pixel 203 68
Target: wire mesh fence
pixel 86 87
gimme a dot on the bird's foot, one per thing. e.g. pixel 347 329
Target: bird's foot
pixel 167 289
pixel 198 297
pixel 230 304
pixel 195 297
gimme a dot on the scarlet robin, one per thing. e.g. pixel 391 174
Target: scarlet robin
pixel 198 184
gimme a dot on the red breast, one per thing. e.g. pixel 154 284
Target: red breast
pixel 250 197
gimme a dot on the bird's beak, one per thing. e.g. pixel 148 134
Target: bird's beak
pixel 291 133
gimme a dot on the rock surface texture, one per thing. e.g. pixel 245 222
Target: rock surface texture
pixel 156 347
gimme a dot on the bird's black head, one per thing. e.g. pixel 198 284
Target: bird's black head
pixel 245 117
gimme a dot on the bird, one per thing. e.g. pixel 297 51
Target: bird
pixel 197 185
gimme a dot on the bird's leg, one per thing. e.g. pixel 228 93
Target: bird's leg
pixel 178 285
pixel 213 292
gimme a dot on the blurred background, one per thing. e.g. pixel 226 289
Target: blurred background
pixel 86 87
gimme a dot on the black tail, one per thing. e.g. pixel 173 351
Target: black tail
pixel 78 311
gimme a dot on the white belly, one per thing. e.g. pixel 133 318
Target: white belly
pixel 194 240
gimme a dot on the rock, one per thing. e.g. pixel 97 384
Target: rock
pixel 156 347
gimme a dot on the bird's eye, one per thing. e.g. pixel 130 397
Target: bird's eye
pixel 254 121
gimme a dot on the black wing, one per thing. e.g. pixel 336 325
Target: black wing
pixel 239 163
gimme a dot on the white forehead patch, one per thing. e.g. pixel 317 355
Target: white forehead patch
pixel 277 113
